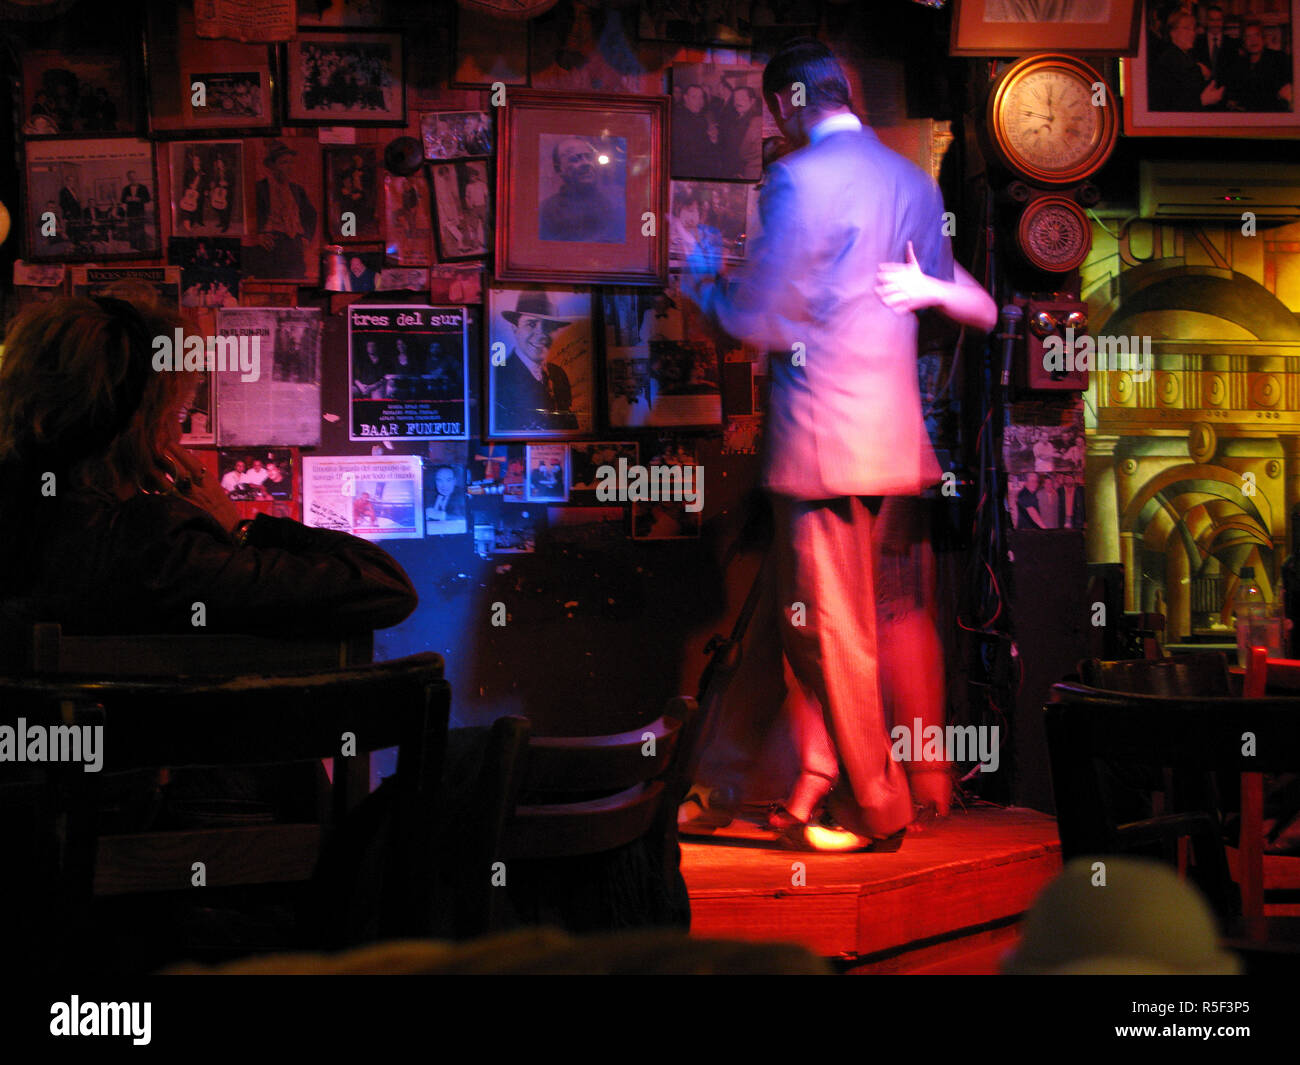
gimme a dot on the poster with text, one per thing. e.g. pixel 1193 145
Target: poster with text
pixel 408 372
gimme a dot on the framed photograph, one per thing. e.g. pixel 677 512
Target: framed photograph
pixel 678 518
pixel 456 134
pixel 580 179
pixel 352 193
pixel 197 84
pixel 445 498
pixel 461 203
pixel 658 371
pixel 346 78
pixel 1019 27
pixel 540 370
pixel 70 93
pixel 722 214
pixel 409 372
pixel 548 473
pixel 283 177
pixel 207 188
pixel 1234 76
pixel 586 461
pixel 91 199
pixel 490 50
pixel 717 122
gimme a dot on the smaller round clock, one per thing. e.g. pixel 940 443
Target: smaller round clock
pixel 1054 234
pixel 1053 119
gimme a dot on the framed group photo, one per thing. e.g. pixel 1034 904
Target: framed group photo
pixel 581 189
pixel 91 199
pixel 1020 27
pixel 350 78
pixel 540 370
pixel 1232 76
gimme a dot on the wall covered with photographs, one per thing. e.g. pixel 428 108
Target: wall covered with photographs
pixel 432 225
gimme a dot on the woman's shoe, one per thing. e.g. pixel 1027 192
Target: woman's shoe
pixel 705 810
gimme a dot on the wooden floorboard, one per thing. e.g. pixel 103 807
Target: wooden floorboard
pixel 964 878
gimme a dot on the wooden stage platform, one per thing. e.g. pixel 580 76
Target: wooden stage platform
pixel 947 902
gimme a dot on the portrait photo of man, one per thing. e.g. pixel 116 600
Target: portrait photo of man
pixel 531 391
pixel 286 218
pixel 583 189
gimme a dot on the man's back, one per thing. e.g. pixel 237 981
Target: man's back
pixel 847 421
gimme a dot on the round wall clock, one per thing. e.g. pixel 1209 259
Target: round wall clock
pixel 1053 119
pixel 1054 234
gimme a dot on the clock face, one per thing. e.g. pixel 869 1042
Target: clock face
pixel 1050 123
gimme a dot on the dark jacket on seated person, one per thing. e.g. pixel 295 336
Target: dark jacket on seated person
pixel 143 565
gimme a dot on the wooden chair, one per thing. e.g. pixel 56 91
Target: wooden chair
pixel 191 655
pixel 1259 872
pixel 561 797
pixel 1085 725
pixel 1191 674
pixel 152 723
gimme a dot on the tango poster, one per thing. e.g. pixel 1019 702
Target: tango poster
pixel 375 497
pixel 409 373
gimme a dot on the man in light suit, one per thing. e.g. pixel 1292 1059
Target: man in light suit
pixel 853 243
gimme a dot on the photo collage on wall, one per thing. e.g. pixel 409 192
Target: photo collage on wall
pixel 273 187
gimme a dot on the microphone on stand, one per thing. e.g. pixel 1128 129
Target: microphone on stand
pixel 1011 315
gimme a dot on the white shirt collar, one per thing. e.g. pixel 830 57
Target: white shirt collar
pixel 834 124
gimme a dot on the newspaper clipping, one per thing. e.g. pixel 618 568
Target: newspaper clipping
pixel 281 404
pixel 379 498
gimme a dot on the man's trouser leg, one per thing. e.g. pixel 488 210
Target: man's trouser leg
pixel 825 562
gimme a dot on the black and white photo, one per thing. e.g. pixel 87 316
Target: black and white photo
pixel 91 199
pixel 540 369
pixel 346 78
pixel 462 203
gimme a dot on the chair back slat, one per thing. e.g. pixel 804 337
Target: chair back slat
pixel 1192 674
pixel 197 655
pixel 558 764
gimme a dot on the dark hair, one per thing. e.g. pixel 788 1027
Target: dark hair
pixel 808 61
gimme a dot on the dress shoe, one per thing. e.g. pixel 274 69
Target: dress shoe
pixel 705 810
pixel 824 835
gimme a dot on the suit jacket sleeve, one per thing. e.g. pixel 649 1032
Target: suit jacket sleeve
pixel 923 226
pixel 762 303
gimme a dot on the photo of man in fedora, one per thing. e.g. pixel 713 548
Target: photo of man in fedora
pixel 286 220
pixel 529 391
